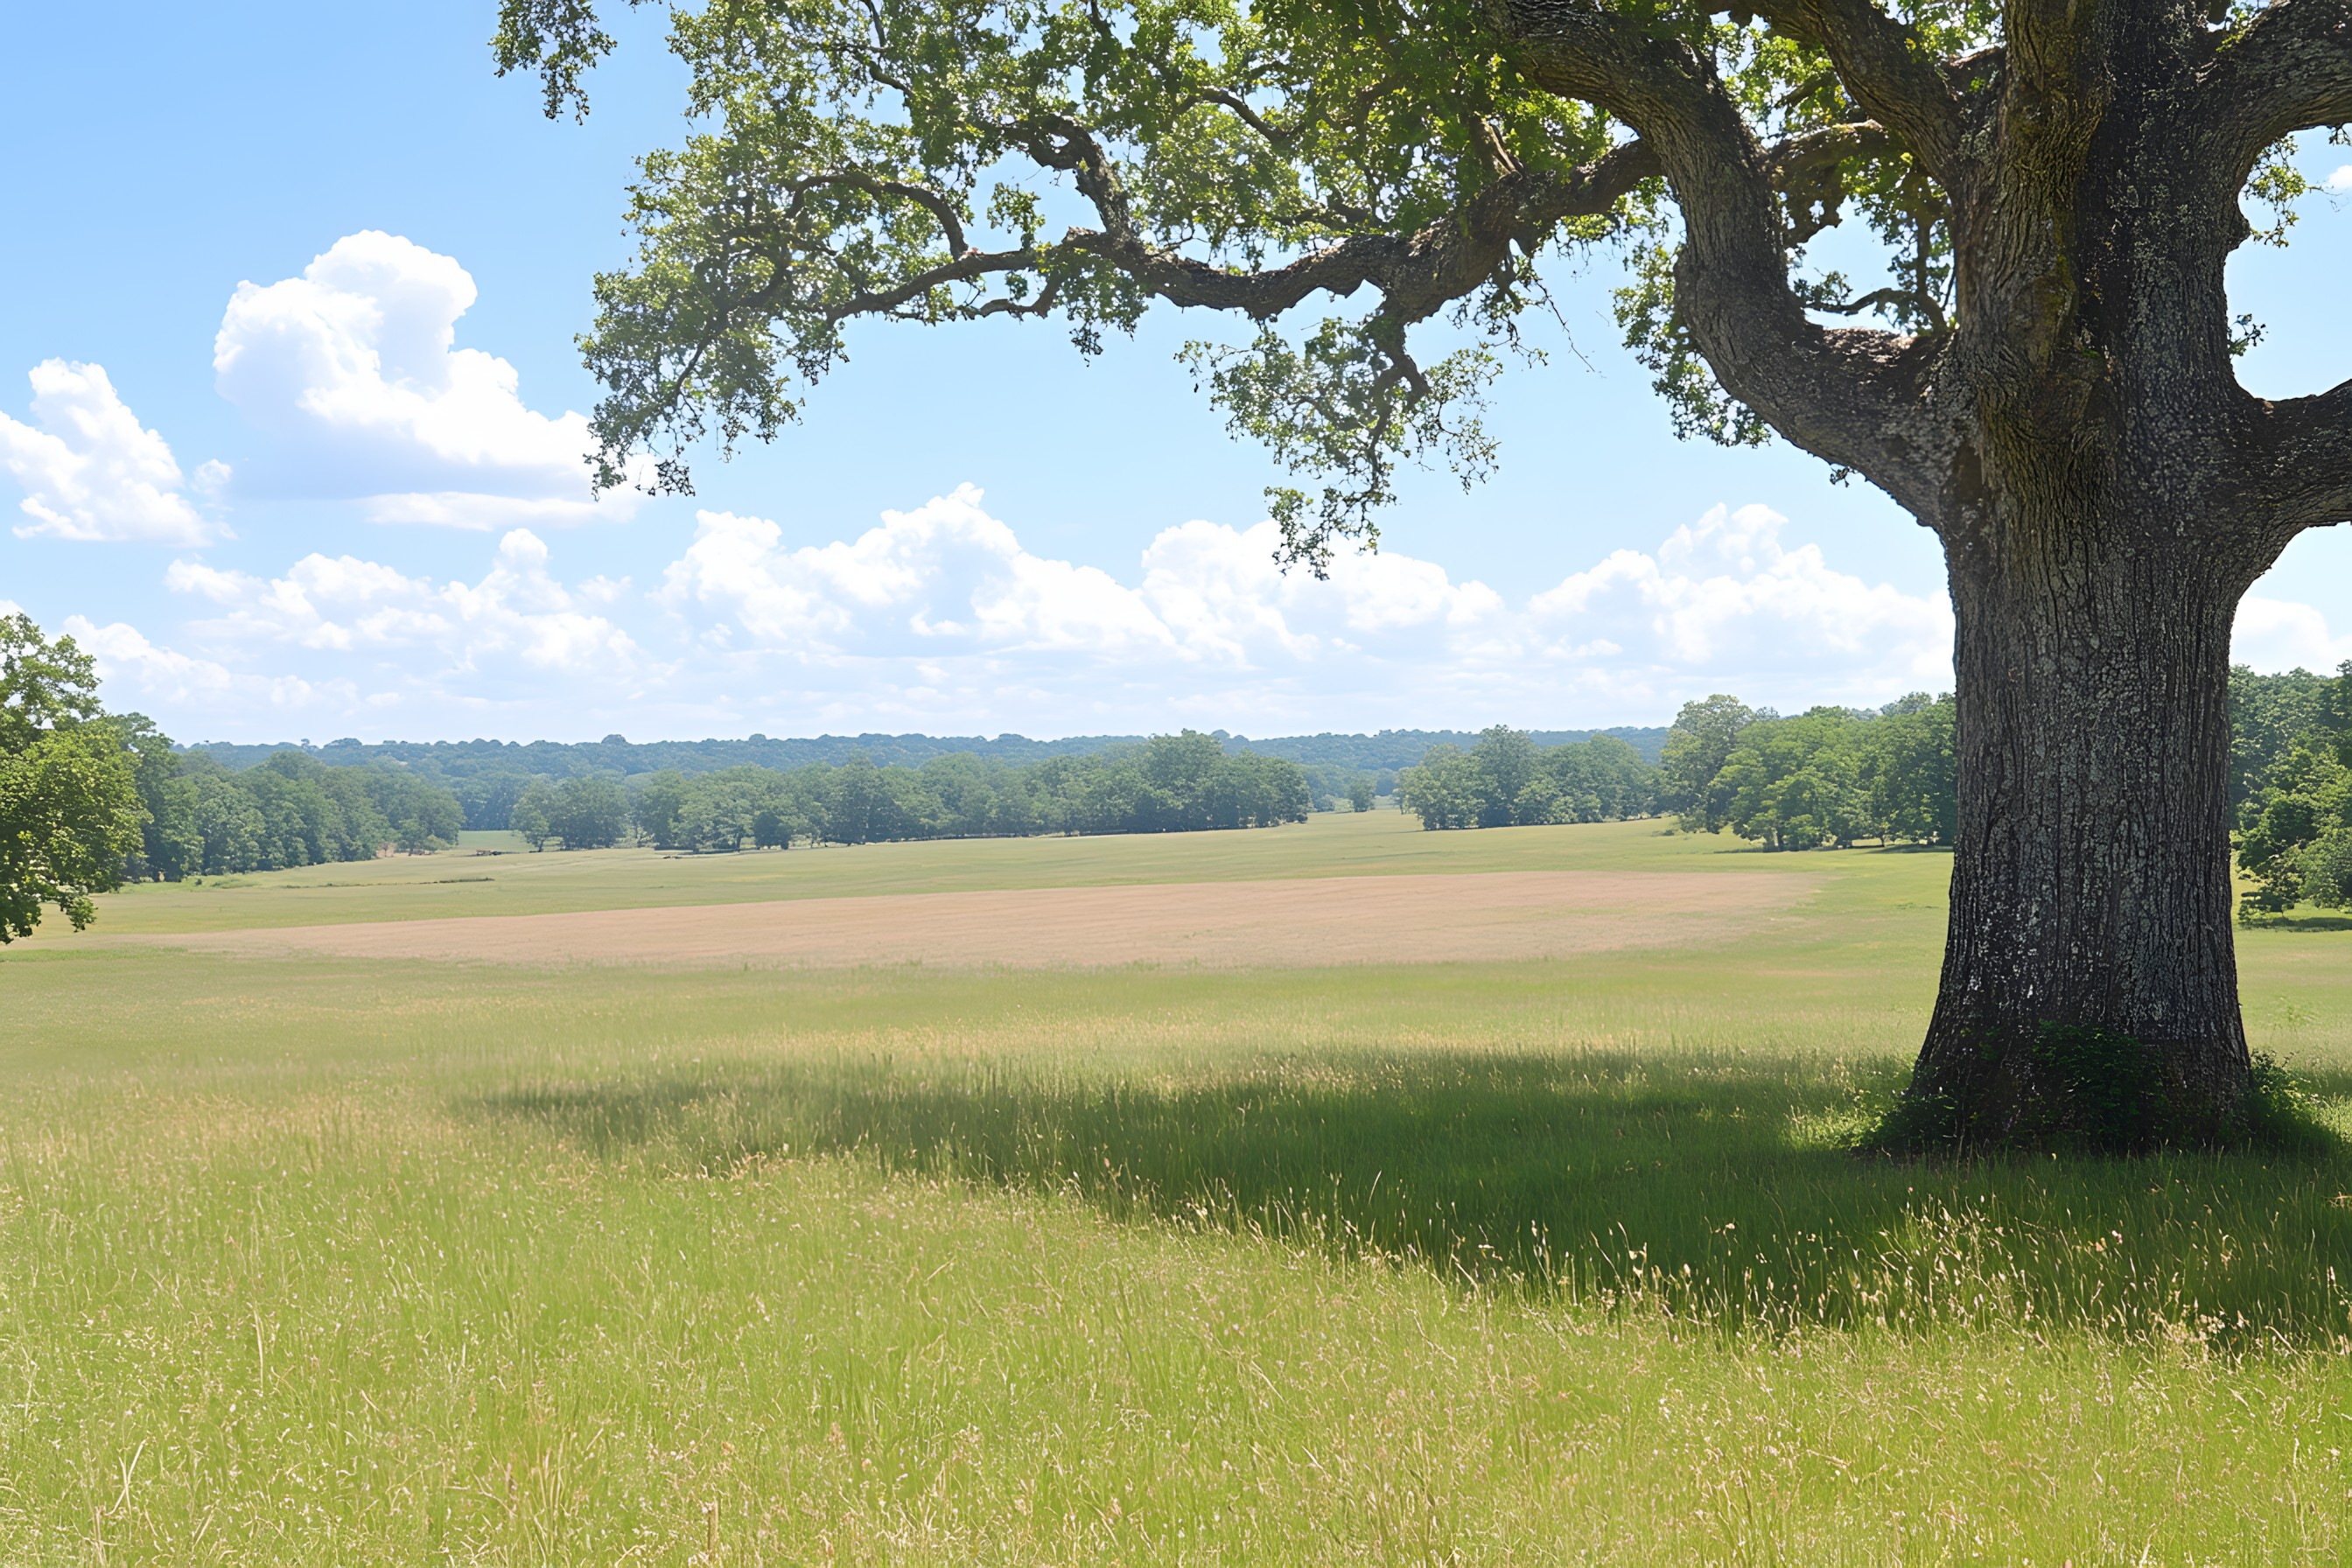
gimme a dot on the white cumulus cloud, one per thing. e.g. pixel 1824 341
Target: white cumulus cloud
pixel 939 614
pixel 1724 599
pixel 353 366
pixel 944 577
pixel 344 605
pixel 939 618
pixel 164 675
pixel 91 470
pixel 2285 634
pixel 2341 180
pixel 340 639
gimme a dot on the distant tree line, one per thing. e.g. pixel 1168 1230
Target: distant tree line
pixel 489 776
pixel 1169 783
pixel 1833 776
pixel 292 810
pixel 89 800
pixel 1826 778
pixel 1508 780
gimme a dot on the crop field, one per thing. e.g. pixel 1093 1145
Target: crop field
pixel 1483 1201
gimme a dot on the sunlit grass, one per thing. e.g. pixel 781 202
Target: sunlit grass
pixel 492 874
pixel 1545 1262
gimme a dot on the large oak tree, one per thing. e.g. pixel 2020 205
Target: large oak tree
pixel 2044 377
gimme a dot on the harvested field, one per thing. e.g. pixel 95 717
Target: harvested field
pixel 1323 920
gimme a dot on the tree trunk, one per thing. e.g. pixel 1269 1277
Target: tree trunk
pixel 2091 894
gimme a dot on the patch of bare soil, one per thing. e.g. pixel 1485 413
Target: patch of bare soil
pixel 1279 925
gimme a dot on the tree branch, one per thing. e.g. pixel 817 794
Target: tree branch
pixel 1239 108
pixel 1854 397
pixel 1418 274
pixel 1805 171
pixel 1869 301
pixel 934 201
pixel 2305 467
pixel 1894 77
pixel 971 266
pixel 2289 70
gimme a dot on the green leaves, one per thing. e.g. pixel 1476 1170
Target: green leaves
pixel 2295 839
pixel 1654 331
pixel 68 817
pixel 1826 777
pixel 1348 401
pixel 945 161
pixel 44 685
pixel 558 40
pixel 70 813
pixel 914 161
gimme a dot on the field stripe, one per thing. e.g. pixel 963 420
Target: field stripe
pixel 1298 923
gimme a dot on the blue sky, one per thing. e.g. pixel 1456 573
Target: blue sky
pixel 287 408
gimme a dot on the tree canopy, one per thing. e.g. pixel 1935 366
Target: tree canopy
pixel 1169 783
pixel 69 811
pixel 1083 160
pixel 1830 776
pixel 1507 780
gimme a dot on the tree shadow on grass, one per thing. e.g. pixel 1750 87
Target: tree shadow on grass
pixel 1717 1192
pixel 2301 922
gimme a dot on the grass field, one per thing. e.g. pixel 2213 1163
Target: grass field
pixel 343 1260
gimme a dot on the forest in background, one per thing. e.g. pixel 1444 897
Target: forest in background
pixel 2291 782
pixel 452 762
pixel 294 809
pixel 1825 778
pixel 1169 784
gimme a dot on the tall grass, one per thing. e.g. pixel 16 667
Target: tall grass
pixel 345 1262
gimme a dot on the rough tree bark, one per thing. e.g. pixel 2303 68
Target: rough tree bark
pixel 2091 878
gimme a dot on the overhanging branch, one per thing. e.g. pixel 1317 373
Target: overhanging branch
pixel 937 203
pixel 1854 397
pixel 1891 74
pixel 1418 274
pixel 2289 70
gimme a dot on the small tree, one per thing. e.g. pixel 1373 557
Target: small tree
pixel 589 813
pixel 1512 788
pixel 69 811
pixel 533 815
pixel 1910 772
pixel 1444 791
pixel 1692 761
pixel 659 804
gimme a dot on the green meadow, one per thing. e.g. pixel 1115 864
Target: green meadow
pixel 356 1261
